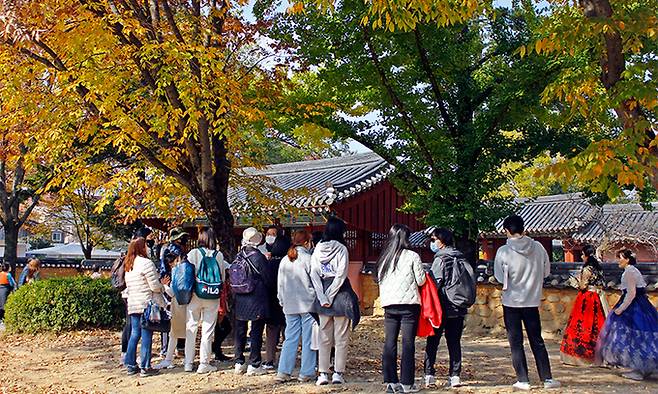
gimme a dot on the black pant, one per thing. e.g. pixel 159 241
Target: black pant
pixel 255 337
pixel 396 318
pixel 453 328
pixel 222 329
pixel 125 335
pixel 530 318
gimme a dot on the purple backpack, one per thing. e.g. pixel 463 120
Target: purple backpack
pixel 242 274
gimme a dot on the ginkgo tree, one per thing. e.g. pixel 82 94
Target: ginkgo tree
pixel 189 87
pixel 612 47
pixel 33 154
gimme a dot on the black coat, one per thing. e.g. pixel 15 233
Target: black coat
pixel 279 249
pixel 256 305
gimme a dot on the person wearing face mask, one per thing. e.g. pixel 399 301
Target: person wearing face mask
pixel 452 325
pixel 297 295
pixel 277 245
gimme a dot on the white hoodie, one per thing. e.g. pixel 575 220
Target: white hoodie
pixel 521 267
pixel 330 259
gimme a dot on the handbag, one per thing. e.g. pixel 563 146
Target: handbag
pixel 156 318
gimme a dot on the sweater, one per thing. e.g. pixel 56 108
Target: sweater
pixel 330 259
pixel 143 285
pixel 294 288
pixel 399 285
pixel 521 266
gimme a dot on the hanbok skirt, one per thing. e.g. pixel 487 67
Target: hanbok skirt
pixel 631 339
pixel 583 329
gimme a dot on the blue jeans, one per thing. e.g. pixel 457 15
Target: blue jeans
pixel 136 331
pixel 296 326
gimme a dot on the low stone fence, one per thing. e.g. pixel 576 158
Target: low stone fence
pixel 486 316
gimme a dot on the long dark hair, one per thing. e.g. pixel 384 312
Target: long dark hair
pixel 398 240
pixel 629 255
pixel 591 260
pixel 334 230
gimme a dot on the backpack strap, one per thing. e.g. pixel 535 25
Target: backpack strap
pixel 251 264
pixel 203 253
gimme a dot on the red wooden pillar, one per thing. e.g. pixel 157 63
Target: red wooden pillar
pixel 488 252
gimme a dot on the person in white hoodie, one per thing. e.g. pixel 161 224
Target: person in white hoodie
pixel 202 312
pixel 329 265
pixel 399 274
pixel 521 266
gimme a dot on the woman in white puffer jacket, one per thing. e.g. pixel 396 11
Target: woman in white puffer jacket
pixel 399 273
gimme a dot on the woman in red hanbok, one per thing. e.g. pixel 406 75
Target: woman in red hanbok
pixel 588 314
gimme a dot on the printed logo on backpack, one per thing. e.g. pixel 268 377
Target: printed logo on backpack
pixel 208 277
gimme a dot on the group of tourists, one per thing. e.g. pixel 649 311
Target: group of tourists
pixel 30 273
pixel 297 284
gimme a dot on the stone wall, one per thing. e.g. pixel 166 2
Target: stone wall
pixel 486 316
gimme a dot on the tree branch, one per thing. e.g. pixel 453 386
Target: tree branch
pixel 425 152
pixel 427 67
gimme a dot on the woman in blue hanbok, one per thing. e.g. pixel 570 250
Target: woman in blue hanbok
pixel 630 335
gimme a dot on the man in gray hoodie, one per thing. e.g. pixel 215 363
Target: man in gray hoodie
pixel 521 266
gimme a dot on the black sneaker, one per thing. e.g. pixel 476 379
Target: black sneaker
pixel 145 373
pixel 132 371
pixel 222 357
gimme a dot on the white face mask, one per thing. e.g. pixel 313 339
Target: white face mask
pixel 270 239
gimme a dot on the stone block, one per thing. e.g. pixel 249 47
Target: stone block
pixel 553 298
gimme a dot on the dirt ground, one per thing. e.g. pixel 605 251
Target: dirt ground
pixel 88 362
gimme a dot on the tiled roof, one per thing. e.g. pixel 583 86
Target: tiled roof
pixel 552 216
pixel 572 216
pixel 629 222
pixel 346 175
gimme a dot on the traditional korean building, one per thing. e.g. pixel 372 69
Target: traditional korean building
pixel 573 221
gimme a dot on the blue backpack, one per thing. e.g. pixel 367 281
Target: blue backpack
pixel 183 281
pixel 208 277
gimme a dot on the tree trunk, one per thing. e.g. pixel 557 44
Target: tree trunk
pixel 221 221
pixel 466 235
pixel 11 245
pixel 86 250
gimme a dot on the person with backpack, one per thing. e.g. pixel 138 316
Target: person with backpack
pixel 455 283
pixel 296 295
pixel 521 266
pixel 142 288
pixel 178 310
pixel 202 309
pixel 251 283
pixel 399 273
pixel 7 285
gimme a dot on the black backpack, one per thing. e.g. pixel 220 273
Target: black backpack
pixel 459 288
pixel 118 274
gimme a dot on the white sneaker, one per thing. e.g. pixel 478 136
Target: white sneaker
pixel 430 381
pixel 551 384
pixel 240 368
pixel 409 388
pixel 206 368
pixel 633 375
pixel 322 379
pixel 337 378
pixel 454 381
pixel 164 364
pixel 188 368
pixel 253 371
pixel 525 386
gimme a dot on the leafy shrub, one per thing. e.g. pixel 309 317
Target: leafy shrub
pixel 61 304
